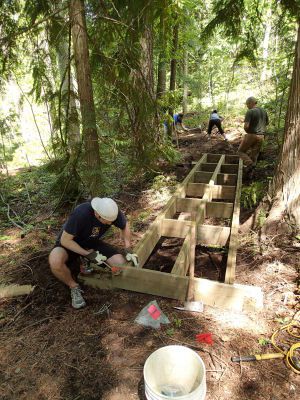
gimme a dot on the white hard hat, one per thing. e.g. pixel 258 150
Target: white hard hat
pixel 105 207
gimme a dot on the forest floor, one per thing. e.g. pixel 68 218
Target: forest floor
pixel 50 351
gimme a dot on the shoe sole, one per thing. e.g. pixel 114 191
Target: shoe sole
pixel 79 306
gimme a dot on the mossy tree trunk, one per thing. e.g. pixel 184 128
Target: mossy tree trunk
pixel 286 183
pixel 85 91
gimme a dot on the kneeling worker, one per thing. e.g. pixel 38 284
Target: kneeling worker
pixel 80 236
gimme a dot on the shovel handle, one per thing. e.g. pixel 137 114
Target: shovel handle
pixel 243 358
pixel 258 357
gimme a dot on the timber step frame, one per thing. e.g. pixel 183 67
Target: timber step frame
pixel 211 189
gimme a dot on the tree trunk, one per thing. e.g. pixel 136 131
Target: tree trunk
pixel 185 85
pixel 85 90
pixel 174 57
pixel 265 45
pixel 286 182
pixel 72 127
pixel 162 65
pixel 147 59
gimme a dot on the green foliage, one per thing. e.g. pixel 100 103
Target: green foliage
pixel 170 332
pixel 10 136
pixel 261 218
pixel 263 341
pixel 252 195
pixel 25 193
pixel 160 182
pixel 177 322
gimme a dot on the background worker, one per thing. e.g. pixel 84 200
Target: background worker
pixel 80 236
pixel 215 120
pixel 256 120
pixel 178 121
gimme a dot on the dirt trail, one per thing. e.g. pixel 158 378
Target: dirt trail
pixel 50 351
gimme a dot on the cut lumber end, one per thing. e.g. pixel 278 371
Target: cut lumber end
pixel 15 290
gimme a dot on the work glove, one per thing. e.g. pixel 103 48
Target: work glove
pixel 96 257
pixel 132 257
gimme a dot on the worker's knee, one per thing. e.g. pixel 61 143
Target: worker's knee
pixel 57 259
pixel 116 259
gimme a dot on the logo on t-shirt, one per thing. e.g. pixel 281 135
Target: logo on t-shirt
pixel 96 231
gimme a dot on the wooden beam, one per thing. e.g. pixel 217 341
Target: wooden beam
pixel 145 246
pixel 211 235
pixel 202 177
pixel 241 298
pixel 212 293
pixel 213 158
pixel 229 159
pixel 183 260
pixel 219 210
pixel 7 291
pixel 233 243
pixel 175 228
pixel 218 191
pixel 187 204
pixel 213 209
pixel 213 178
pixel 223 192
pixel 208 167
pixel 227 179
pixel 192 252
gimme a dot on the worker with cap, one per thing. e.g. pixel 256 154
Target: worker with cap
pixel 255 123
pixel 81 236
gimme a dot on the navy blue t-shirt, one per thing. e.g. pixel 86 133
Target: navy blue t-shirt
pixel 83 224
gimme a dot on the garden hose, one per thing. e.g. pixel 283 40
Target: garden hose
pixel 289 351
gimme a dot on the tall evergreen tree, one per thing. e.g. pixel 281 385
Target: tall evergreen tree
pixel 85 90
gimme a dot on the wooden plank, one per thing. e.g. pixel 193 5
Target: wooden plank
pixel 141 280
pixel 180 192
pixel 218 191
pixel 213 179
pixel 175 228
pixel 219 210
pixel 183 260
pixel 195 189
pixel 233 243
pixel 7 291
pixel 229 168
pixel 187 204
pixel 211 235
pixel 241 298
pixel 153 234
pixel 175 287
pixel 208 167
pixel 227 179
pixel 213 158
pixel 202 177
pixel 171 210
pixel 213 209
pixel 223 192
pixel 145 246
pixel 191 288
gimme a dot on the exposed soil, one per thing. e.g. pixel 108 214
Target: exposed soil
pixel 50 351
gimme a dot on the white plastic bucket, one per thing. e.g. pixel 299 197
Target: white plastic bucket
pixel 174 372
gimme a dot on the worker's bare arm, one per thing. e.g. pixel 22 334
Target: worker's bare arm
pixel 246 126
pixel 126 235
pixel 67 241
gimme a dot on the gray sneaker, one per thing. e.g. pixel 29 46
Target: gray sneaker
pixel 77 299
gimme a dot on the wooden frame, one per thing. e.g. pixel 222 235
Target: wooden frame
pixel 202 182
